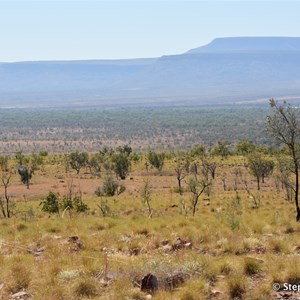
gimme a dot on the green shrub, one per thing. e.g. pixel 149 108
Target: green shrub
pixel 79 205
pixel 50 204
pixel 109 188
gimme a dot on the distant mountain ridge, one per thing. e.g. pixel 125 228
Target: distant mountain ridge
pixel 224 71
pixel 250 44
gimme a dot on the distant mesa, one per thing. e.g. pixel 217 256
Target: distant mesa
pixel 248 44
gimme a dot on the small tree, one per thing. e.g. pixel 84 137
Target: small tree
pixel 181 171
pixel 221 149
pixel 145 193
pixel 109 188
pixel 244 147
pixel 259 167
pixel 25 175
pixel 124 149
pixel 209 166
pixel 156 160
pixel 78 160
pixel 36 161
pixel 233 211
pixel 284 125
pixel 21 158
pixel 104 207
pixel 5 179
pixel 95 163
pixel 198 151
pixel 121 165
pixel 197 187
pixel 285 166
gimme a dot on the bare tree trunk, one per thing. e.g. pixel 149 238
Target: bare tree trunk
pixel 179 185
pixel 2 208
pixel 297 193
pixel 149 209
pixel 195 204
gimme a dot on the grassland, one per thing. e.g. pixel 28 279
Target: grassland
pixel 226 251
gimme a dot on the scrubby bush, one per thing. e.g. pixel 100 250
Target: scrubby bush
pixel 109 188
pixel 79 205
pixel 50 204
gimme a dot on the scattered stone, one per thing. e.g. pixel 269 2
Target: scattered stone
pixel 188 245
pixel 165 242
pixel 167 248
pixel 206 203
pixel 297 249
pixel 1 286
pixel 149 283
pixel 20 295
pixel 173 206
pixel 269 234
pixel 216 293
pixel 180 244
pixel 148 297
pixel 219 210
pixel 77 244
pixel 260 250
pixel 259 260
pixel 73 239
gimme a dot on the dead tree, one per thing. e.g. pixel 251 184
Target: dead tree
pixel 5 208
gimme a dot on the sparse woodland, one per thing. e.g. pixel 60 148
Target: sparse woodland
pixel 209 221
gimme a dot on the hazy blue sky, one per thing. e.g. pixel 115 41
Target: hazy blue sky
pixel 48 30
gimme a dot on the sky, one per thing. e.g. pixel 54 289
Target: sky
pixel 70 30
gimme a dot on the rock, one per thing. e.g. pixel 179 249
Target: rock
pixel 259 260
pixel 78 245
pixel 73 239
pixel 21 295
pixel 216 293
pixel 167 248
pixel 149 283
pixel 179 244
pixel 165 242
pixel 188 245
pixel 260 250
pixel 148 297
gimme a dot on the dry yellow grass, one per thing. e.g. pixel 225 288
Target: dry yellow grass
pixel 222 262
